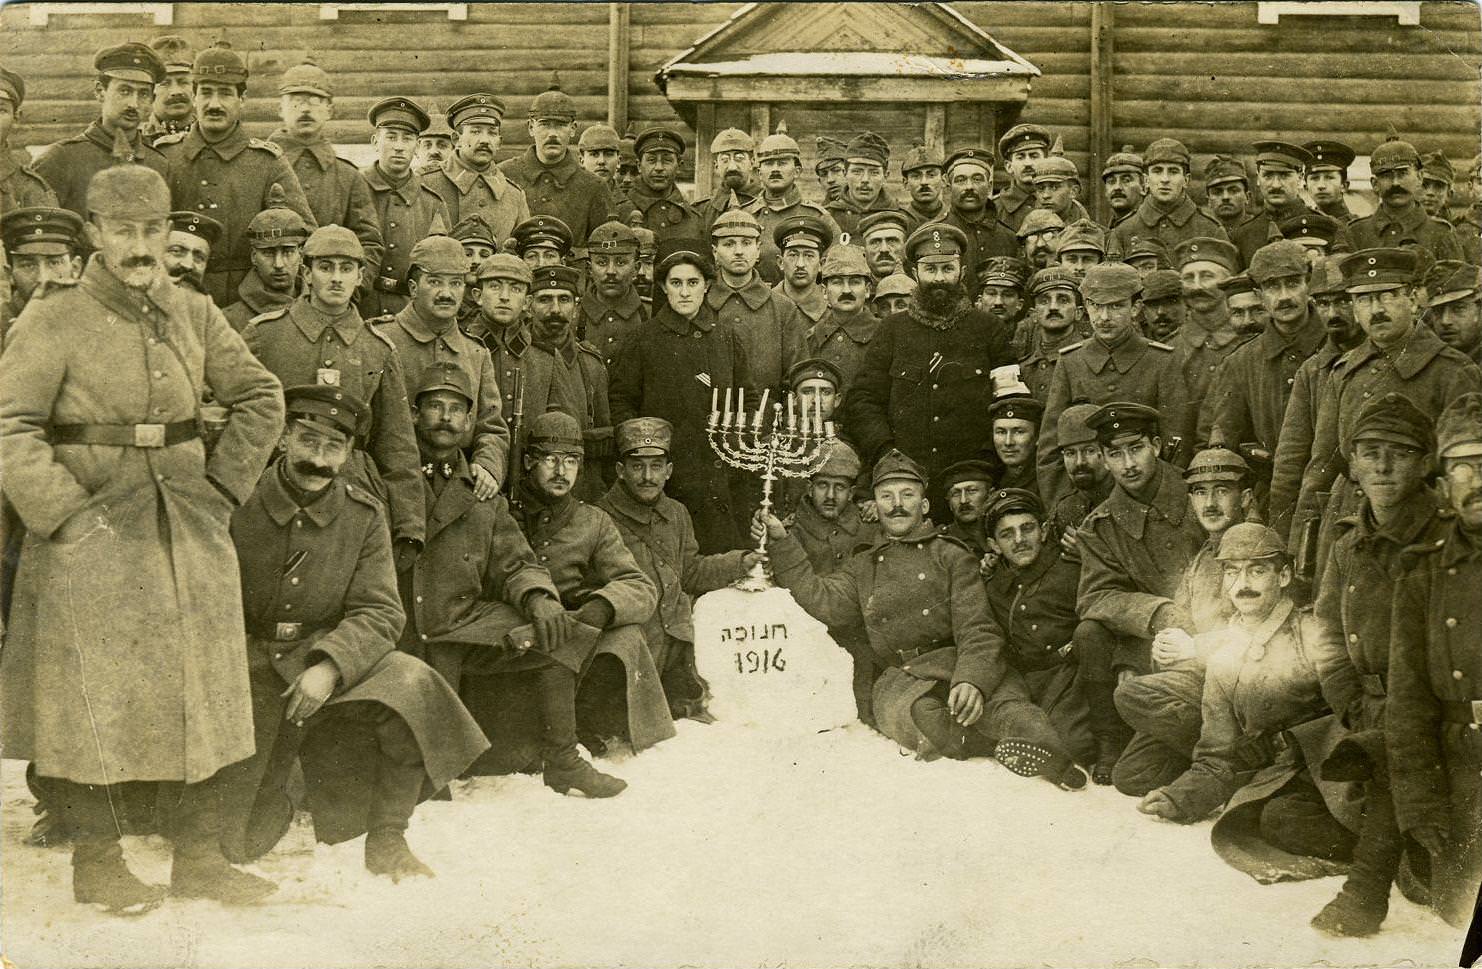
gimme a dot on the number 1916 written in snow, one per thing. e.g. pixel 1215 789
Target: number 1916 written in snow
pixel 760 661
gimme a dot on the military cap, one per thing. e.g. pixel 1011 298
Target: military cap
pixel 1459 428
pixel 41 230
pixel 324 404
pixel 399 112
pixel 896 465
pixel 1326 278
pixel 1126 160
pixel 844 260
pixel 814 368
pixel 1148 247
pixel 1435 274
pixel 1022 136
pixel 1082 235
pixel 1392 155
pixel 896 284
pixel 1250 540
pixel 884 217
pixel 1371 270
pixel 485 108
pixel 12 88
pixel 779 145
pixel 1329 156
pixel 219 64
pixel 1162 284
pixel 841 462
pixel 1109 282
pixel 542 231
pixel 935 239
pixel 556 432
pixel 868 147
pixel 1123 417
pixel 555 277
pixel 174 52
pixel 553 104
pixel 1435 164
pixel 645 236
pixel 1037 221
pixel 735 222
pixel 599 137
pixel 1013 501
pixel 1053 277
pixel 644 437
pixel 1217 464
pixel 1394 417
pixel 1006 380
pixel 1165 151
pixel 659 136
pixel 1071 430
pixel 803 230
pixel 1313 226
pixel 1237 284
pixel 627 156
pixel 982 157
pixel 1281 155
pixel 672 252
pixel 1458 284
pixel 504 265
pixel 1017 407
pixel 1008 271
pixel 439 126
pixel 333 240
pixel 1056 168
pixel 276 225
pixel 475 229
pixel 130 62
pixel 444 375
pixel 732 139
pixel 830 151
pixel 1207 249
pixel 439 254
pixel 197 224
pixel 922 156
pixel 1284 257
pixel 128 192
pixel 971 470
pixel 612 236
pixel 306 79
pixel 1223 168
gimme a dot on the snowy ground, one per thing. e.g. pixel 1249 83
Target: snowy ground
pixel 736 845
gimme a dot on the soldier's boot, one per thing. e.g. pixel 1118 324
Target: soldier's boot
pixel 387 853
pixel 399 779
pixel 50 828
pixel 564 769
pixel 941 733
pixel 198 868
pixel 1107 729
pixel 1029 759
pixel 100 877
pixel 1363 902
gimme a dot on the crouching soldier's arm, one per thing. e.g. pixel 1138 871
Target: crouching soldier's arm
pixel 1341 685
pixel 1216 773
pixel 626 595
pixel 513 575
pixel 833 599
pixel 980 643
pixel 706 573
pixel 1412 721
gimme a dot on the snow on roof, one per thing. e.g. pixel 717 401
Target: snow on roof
pixel 853 63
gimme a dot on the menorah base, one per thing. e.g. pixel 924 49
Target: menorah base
pixel 757 580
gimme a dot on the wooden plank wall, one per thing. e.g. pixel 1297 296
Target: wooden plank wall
pixel 1204 72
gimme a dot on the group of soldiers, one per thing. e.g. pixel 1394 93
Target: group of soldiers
pixel 402 472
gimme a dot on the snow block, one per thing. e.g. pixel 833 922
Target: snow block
pixel 771 665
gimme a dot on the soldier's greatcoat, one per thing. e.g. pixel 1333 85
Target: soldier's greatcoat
pixel 564 190
pixel 71 163
pixel 408 212
pixel 125 658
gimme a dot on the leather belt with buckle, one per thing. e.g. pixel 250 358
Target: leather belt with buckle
pixel 1462 711
pixel 907 655
pixel 125 435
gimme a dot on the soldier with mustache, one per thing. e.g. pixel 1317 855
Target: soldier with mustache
pixel 975 213
pixel 1122 179
pixel 1227 190
pixel 922 171
pixel 469 182
pixel 1058 320
pixel 781 204
pixel 188 249
pixel 1456 311
pixel 610 307
pixel 1163 310
pixel 1395 167
pixel 174 101
pixel 1039 234
pixel 1280 169
pixel 554 182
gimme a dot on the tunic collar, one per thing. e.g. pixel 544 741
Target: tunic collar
pixel 704 321
pixel 789 198
pixel 313 323
pixel 561 172
pixel 226 148
pixel 281 507
pixel 813 303
pixel 754 293
pixel 259 299
pixel 1122 357
pixel 1412 358
pixel 1304 340
pixel 134 303
pixel 859 327
pixel 379 181
pixel 1171 501
pixel 626 305
pixel 318 148
pixel 620 500
pixel 1049 554
pixel 920 533
pixel 98 135
pixel 1180 212
pixel 419 330
pixel 810 521
pixel 1459 545
pixel 1259 636
pixel 461 175
pixel 1411 217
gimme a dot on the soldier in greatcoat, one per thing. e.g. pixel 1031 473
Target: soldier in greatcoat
pixel 20 186
pixel 125 659
pixel 276 238
pixel 373 727
pixel 610 307
pixel 550 173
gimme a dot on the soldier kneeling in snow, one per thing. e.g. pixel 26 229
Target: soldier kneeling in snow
pixel 373 727
pixel 944 689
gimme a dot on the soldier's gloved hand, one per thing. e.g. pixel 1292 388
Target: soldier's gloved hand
pixel 966 703
pixel 1159 805
pixel 485 485
pixel 1431 837
pixel 405 551
pixel 595 612
pixel 309 691
pixel 548 617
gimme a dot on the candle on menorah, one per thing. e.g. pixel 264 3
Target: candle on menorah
pixel 782 450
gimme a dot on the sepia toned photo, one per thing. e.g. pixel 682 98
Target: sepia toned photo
pixel 815 485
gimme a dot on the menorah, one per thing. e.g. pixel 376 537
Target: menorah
pixel 749 442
